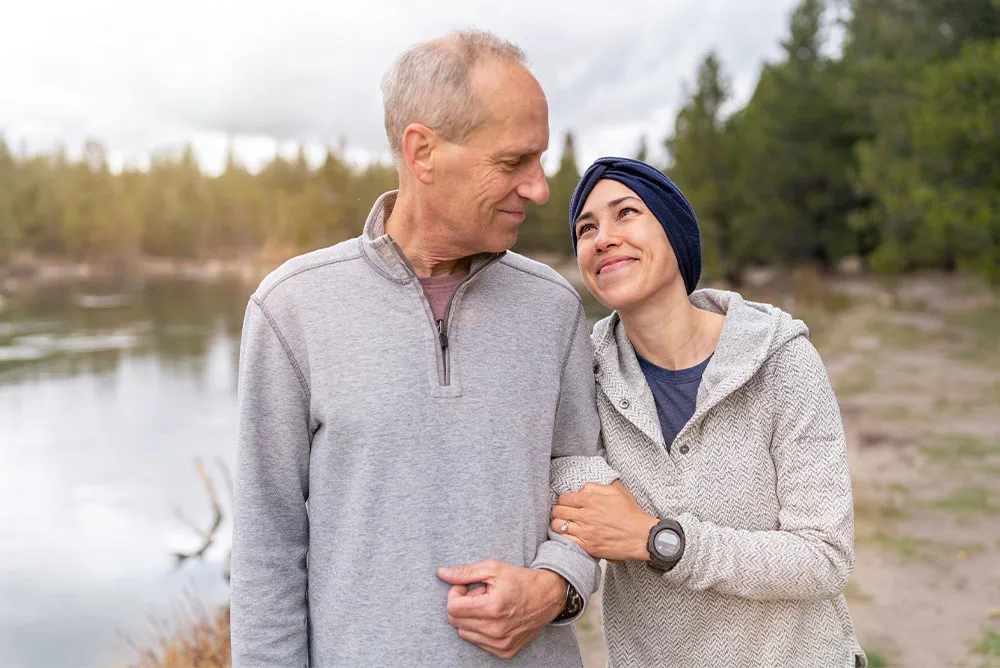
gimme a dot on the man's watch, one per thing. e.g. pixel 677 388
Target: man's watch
pixel 574 604
pixel 665 545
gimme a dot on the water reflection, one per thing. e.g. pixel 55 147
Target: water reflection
pixel 103 408
pixel 90 328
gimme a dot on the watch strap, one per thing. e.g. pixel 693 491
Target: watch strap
pixel 573 606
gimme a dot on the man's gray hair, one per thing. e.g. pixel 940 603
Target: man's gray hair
pixel 430 84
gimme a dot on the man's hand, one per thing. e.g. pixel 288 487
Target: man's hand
pixel 510 611
pixel 606 521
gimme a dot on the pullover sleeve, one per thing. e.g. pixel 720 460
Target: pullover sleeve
pixel 271 530
pixel 576 460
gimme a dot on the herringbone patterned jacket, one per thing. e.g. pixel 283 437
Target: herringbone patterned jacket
pixel 758 479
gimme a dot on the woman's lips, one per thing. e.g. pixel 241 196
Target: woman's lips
pixel 615 264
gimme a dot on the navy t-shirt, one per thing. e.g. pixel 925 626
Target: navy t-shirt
pixel 675 392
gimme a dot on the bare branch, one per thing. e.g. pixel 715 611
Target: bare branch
pixel 208 537
pixel 227 478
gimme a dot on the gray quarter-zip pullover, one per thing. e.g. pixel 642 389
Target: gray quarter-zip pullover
pixel 414 445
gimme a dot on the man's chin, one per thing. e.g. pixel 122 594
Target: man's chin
pixel 502 243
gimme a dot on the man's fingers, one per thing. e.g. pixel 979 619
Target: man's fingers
pixel 458 591
pixel 475 606
pixel 489 628
pixel 502 647
pixel 505 648
pixel 484 571
pixel 479 639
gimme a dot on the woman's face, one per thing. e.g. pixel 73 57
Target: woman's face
pixel 622 251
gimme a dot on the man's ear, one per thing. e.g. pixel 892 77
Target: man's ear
pixel 419 144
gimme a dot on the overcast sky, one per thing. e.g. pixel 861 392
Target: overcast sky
pixel 149 75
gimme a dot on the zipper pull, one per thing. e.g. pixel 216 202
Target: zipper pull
pixel 442 335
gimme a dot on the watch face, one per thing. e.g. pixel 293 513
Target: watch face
pixel 667 543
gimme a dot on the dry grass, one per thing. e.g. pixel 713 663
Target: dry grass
pixel 199 639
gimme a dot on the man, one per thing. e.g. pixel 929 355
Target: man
pixel 413 387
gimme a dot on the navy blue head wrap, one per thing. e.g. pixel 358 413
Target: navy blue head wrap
pixel 664 199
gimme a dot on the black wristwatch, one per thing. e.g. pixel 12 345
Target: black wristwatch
pixel 665 545
pixel 574 604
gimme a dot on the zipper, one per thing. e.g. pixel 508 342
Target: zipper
pixel 441 326
pixel 443 341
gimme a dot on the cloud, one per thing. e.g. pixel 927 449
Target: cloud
pixel 142 75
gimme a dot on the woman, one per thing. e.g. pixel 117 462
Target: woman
pixel 731 541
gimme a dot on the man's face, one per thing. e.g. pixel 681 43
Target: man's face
pixel 483 186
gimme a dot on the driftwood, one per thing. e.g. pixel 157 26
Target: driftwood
pixel 208 536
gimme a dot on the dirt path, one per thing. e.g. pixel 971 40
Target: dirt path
pixel 918 378
pixel 916 367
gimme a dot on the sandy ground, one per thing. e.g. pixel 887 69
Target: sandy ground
pixel 916 366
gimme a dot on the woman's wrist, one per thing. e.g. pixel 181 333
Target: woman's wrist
pixel 642 537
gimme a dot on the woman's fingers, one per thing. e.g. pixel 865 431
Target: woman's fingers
pixel 620 487
pixel 565 513
pixel 568 528
pixel 572 499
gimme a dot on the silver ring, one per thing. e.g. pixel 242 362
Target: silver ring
pixel 565 527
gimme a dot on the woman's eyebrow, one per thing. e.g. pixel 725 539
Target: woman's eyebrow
pixel 615 202
pixel 612 204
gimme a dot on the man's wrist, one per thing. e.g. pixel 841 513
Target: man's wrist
pixel 554 588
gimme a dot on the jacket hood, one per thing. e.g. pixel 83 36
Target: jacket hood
pixel 751 335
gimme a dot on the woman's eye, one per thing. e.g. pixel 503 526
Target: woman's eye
pixel 625 210
pixel 584 229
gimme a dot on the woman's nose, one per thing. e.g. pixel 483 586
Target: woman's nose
pixel 605 238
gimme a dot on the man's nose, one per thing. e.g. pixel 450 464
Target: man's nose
pixel 535 187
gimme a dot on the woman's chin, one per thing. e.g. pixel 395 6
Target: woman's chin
pixel 617 297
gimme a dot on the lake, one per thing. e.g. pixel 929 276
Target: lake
pixel 108 394
pixel 106 399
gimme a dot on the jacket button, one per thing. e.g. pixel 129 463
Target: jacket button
pixel 685 449
pixel 597 368
pixel 625 404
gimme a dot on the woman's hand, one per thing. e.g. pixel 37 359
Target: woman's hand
pixel 606 521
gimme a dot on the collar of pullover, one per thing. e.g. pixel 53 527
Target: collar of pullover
pixel 386 257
